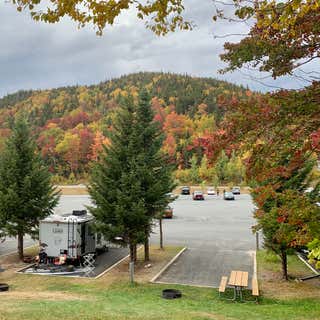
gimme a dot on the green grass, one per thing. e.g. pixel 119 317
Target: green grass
pixel 143 301
pixel 118 300
pixel 268 261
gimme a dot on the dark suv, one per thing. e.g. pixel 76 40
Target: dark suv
pixel 185 190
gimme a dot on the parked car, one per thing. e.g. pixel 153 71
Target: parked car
pixel 235 190
pixel 197 195
pixel 168 213
pixel 185 190
pixel 211 192
pixel 171 196
pixel 228 196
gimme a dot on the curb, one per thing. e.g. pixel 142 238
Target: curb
pixel 115 264
pixel 255 275
pixel 307 264
pixel 153 280
pixel 111 267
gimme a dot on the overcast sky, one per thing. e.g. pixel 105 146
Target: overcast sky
pixel 36 55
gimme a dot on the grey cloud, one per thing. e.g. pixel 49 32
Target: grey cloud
pixel 36 55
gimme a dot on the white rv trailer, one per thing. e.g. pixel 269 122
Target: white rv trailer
pixel 69 234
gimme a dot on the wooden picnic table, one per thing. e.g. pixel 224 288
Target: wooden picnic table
pixel 238 280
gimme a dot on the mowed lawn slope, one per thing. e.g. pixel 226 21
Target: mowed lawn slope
pixel 112 297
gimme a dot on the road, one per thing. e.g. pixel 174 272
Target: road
pixel 216 232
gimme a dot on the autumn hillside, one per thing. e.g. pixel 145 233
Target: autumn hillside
pixel 72 123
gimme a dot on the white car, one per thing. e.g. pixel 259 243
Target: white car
pixel 235 190
pixel 211 192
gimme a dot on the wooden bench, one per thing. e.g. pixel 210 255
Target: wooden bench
pixel 255 288
pixel 223 284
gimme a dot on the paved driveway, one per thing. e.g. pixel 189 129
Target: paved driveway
pixel 218 236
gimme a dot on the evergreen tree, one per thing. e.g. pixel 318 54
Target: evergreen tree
pixel 154 172
pixel 26 192
pixel 115 186
pixel 129 184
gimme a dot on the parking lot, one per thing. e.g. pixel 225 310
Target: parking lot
pixel 217 234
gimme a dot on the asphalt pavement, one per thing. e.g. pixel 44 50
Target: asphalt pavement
pixel 218 236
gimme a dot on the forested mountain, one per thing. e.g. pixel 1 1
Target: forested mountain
pixel 12 99
pixel 72 123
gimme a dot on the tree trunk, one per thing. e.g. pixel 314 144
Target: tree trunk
pixel 146 248
pixel 20 245
pixel 132 262
pixel 161 233
pixel 284 264
pixel 132 253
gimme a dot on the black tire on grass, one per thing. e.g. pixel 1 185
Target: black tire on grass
pixel 171 294
pixel 4 287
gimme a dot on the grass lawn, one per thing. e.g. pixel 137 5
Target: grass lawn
pixel 272 285
pixel 112 297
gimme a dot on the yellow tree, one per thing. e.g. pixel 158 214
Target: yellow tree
pixel 69 148
pixel 161 16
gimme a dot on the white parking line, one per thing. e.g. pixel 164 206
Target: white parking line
pixel 168 264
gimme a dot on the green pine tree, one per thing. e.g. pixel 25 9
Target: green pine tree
pixel 154 171
pixel 115 185
pixel 26 192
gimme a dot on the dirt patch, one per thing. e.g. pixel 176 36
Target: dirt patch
pixel 73 191
pixel 213 316
pixel 11 263
pixel 41 295
pixel 289 289
pixel 145 271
